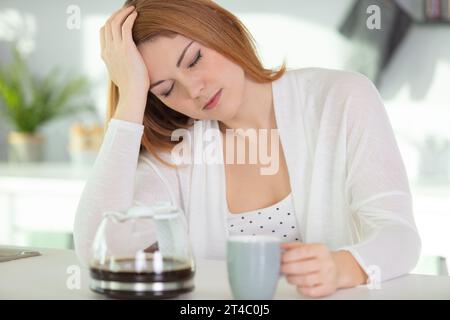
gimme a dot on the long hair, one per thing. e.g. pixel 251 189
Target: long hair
pixel 210 25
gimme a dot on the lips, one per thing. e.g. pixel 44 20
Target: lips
pixel 213 100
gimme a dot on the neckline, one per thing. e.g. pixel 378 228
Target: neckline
pixel 222 160
pixel 276 204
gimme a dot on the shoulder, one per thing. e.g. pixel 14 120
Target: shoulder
pixel 186 141
pixel 146 158
pixel 328 97
pixel 323 81
pixel 335 91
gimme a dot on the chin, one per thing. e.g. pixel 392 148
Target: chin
pixel 227 111
pixel 227 115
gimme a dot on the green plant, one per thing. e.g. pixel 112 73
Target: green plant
pixel 30 101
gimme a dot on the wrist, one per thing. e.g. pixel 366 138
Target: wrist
pixel 134 95
pixel 131 108
pixel 350 273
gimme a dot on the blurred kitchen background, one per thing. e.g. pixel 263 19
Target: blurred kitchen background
pixel 53 87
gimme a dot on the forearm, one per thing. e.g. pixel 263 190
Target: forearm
pixel 350 273
pixel 131 107
pixel 110 186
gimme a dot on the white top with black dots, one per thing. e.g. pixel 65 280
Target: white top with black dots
pixel 277 220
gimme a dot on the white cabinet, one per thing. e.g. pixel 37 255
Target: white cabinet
pixel 38 202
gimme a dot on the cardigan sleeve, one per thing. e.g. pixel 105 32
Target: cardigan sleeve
pixel 120 178
pixel 377 188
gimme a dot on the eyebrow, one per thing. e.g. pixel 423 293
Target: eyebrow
pixel 180 59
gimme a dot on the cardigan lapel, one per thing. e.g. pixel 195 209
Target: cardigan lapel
pixel 207 221
pixel 288 107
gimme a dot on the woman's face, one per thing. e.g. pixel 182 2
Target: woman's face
pixel 201 73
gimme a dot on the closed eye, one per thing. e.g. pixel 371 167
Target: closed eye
pixel 197 59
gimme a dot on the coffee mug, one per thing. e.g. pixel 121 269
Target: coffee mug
pixel 253 265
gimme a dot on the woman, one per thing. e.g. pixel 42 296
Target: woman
pixel 338 198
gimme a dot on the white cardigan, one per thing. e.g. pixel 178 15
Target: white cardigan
pixel 347 177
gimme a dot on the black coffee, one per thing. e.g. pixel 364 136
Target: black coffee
pixel 175 272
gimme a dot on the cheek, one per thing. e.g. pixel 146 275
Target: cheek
pixel 230 76
pixel 220 70
pixel 184 107
pixel 178 108
pixel 236 89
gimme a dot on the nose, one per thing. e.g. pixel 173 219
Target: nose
pixel 194 87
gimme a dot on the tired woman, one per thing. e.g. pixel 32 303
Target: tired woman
pixel 334 189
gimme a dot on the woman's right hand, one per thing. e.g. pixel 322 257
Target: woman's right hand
pixel 124 62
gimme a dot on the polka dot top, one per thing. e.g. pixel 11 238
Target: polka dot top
pixel 277 220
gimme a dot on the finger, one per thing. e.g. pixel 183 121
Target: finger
pixel 300 253
pixel 127 26
pixel 290 245
pixel 108 26
pixel 108 34
pixel 102 38
pixel 301 267
pixel 116 23
pixel 318 291
pixel 310 280
pixel 114 15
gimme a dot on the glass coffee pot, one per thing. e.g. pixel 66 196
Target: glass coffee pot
pixel 142 253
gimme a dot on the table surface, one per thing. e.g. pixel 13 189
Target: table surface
pixel 53 276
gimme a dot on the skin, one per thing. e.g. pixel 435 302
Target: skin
pixel 244 104
pixel 315 270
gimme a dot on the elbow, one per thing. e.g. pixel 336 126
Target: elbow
pixel 414 251
pixel 397 258
pixel 408 253
pixel 403 256
pixel 81 241
pixel 81 251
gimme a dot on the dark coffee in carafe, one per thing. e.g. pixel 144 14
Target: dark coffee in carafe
pixel 158 279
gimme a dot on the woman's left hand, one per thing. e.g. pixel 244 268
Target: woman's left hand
pixel 311 267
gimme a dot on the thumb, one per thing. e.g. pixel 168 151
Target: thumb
pixel 291 245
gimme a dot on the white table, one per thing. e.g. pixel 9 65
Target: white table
pixel 47 276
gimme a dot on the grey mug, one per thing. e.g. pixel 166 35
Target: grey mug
pixel 253 266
